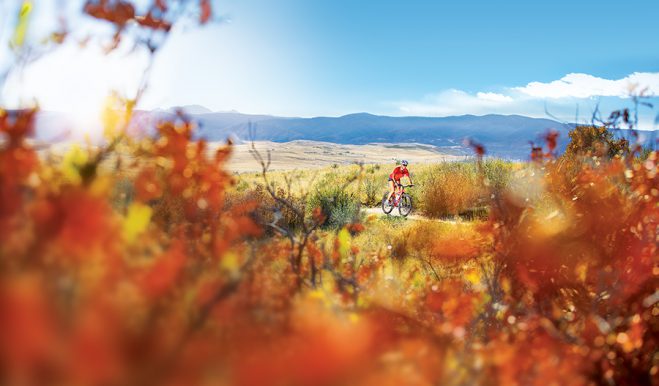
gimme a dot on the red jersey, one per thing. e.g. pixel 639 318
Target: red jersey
pixel 398 173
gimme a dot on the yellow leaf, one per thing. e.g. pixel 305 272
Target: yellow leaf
pixel 21 26
pixel 72 161
pixel 473 276
pixel 116 114
pixel 316 294
pixel 344 242
pixel 230 263
pixel 321 296
pixel 137 220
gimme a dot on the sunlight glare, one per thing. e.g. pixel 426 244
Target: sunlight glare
pixel 77 82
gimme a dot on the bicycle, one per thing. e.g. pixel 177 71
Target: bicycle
pixel 399 199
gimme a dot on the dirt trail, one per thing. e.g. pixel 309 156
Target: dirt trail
pixel 413 216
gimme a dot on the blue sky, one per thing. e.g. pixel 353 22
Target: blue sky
pixel 308 58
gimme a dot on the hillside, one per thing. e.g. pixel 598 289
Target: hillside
pixel 505 136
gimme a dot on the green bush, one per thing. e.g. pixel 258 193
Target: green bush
pixel 372 190
pixel 339 206
pixel 374 184
pixel 498 174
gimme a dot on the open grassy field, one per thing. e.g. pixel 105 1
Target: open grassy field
pixel 310 154
pixel 443 188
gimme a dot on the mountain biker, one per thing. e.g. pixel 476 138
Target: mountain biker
pixel 395 176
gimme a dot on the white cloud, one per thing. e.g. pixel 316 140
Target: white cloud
pixel 493 97
pixel 575 96
pixel 455 102
pixel 579 85
pixel 458 102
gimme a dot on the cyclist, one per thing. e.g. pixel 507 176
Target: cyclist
pixel 396 175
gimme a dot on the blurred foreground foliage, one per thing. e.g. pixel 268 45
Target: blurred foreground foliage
pixel 135 263
pixel 178 285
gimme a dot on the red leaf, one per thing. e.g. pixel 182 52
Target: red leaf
pixel 551 138
pixel 164 272
pixel 154 23
pixel 117 12
pixel 206 12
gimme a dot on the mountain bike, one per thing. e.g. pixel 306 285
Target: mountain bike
pixel 399 199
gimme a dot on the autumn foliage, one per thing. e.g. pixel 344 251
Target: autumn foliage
pixel 176 287
pixel 179 283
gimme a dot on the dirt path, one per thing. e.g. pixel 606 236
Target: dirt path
pixel 413 216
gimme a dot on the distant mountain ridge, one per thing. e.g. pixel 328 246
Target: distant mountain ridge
pixel 503 135
pixel 506 136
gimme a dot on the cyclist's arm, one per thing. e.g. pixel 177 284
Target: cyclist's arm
pixel 409 178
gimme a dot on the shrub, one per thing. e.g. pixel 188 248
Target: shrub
pixel 595 141
pixel 339 206
pixel 267 209
pixel 373 188
pixel 451 189
pixel 498 174
pixel 458 188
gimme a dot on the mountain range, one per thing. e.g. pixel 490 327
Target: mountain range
pixel 505 136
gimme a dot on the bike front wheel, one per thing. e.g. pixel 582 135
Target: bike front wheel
pixel 405 206
pixel 387 205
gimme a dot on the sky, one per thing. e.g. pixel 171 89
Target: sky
pixel 329 58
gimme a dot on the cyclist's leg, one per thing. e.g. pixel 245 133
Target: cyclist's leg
pixel 391 188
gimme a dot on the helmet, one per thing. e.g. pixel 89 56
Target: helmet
pixel 403 162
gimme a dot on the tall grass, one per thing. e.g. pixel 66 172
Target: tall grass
pixel 456 188
pixel 373 184
pixel 441 190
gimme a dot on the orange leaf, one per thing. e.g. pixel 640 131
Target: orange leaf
pixel 205 6
pixel 164 272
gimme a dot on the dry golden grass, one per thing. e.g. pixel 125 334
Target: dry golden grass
pixel 302 155
pixel 448 244
pixel 441 189
pixel 452 192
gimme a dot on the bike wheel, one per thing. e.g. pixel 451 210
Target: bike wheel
pixel 405 206
pixel 387 206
